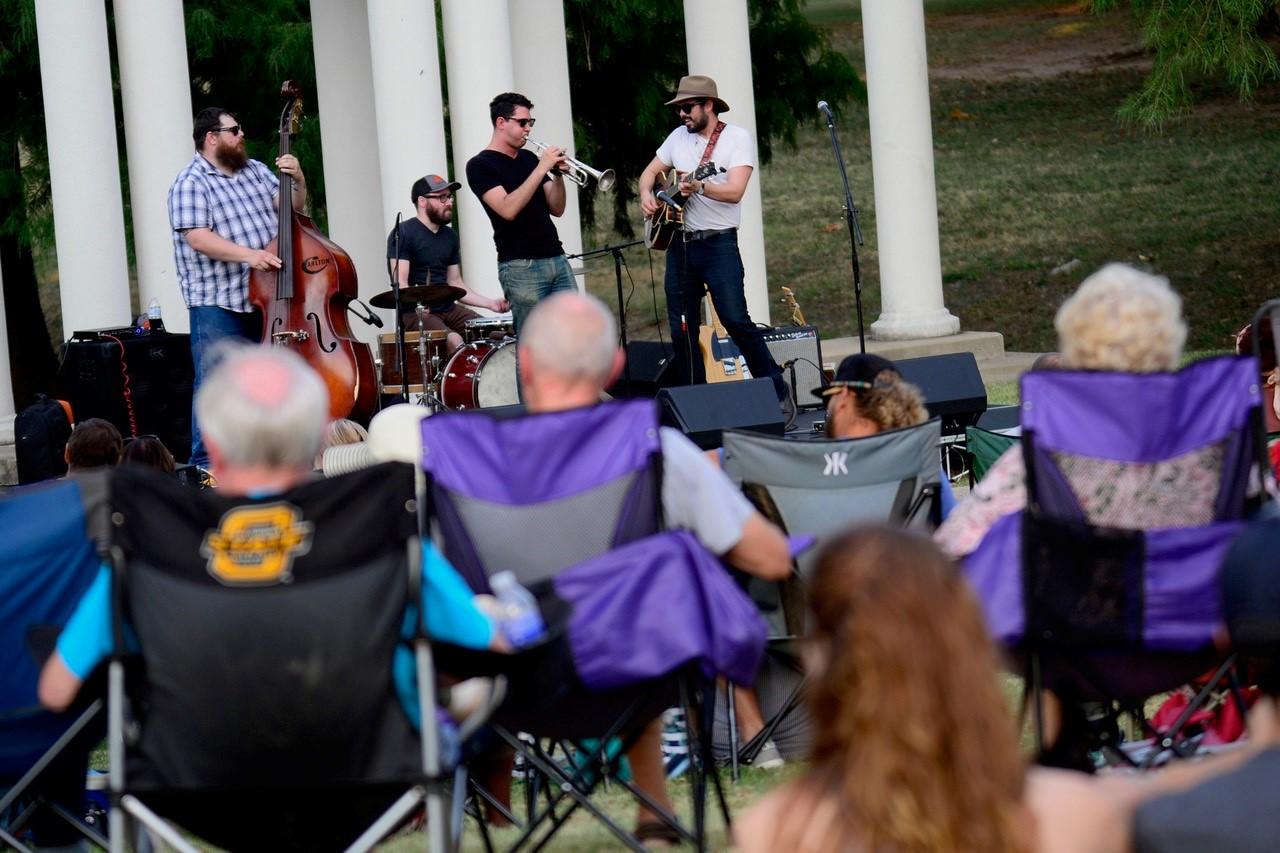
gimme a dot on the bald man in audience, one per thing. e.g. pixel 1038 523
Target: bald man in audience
pixel 568 354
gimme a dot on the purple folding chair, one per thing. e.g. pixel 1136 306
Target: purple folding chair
pixel 639 618
pixel 1136 486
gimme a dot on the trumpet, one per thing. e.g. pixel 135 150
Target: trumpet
pixel 578 172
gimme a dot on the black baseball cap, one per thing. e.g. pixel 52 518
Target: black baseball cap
pixel 428 184
pixel 856 371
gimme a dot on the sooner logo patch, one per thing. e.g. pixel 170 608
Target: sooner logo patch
pixel 256 545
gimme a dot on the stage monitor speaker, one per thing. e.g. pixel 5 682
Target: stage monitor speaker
pixel 952 386
pixel 703 412
pixel 93 374
pixel 648 364
pixel 799 342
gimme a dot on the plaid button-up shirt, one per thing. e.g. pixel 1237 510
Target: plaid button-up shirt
pixel 239 208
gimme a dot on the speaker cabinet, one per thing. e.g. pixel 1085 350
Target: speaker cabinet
pixel 152 373
pixel 703 412
pixel 799 342
pixel 952 387
pixel 646 372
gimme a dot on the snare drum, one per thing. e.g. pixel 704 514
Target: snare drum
pixel 479 375
pixel 488 328
pixel 392 379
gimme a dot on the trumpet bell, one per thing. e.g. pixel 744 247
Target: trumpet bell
pixel 606 180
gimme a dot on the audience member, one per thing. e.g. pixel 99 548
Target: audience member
pixel 568 355
pixel 263 412
pixel 150 451
pixel 1047 361
pixel 339 432
pixel 94 443
pixel 1118 319
pixel 914 747
pixel 1238 807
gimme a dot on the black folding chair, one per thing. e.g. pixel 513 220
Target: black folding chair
pixel 264 715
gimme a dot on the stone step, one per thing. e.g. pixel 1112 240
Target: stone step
pixel 983 345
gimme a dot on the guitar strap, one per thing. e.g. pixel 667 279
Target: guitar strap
pixel 711 143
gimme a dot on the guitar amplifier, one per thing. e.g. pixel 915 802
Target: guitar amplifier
pixel 795 342
pixel 150 374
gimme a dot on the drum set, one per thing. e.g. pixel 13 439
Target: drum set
pixel 479 374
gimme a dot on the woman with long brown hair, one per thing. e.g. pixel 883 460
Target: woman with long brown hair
pixel 915 748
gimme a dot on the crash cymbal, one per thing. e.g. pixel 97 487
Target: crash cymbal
pixel 425 294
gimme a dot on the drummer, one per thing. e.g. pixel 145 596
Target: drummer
pixel 429 253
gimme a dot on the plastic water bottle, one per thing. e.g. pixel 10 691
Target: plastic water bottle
pixel 521 620
pixel 153 315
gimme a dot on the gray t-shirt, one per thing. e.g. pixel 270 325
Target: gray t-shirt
pixel 698 496
pixel 1238 811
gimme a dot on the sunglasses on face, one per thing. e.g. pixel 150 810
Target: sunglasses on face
pixel 234 130
pixel 440 198
pixel 687 109
pixel 524 122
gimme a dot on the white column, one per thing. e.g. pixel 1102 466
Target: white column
pixel 902 168
pixel 84 163
pixel 477 55
pixel 350 145
pixel 540 60
pixel 716 35
pixel 408 104
pixel 155 88
pixel 6 379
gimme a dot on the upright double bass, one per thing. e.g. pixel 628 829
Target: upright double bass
pixel 304 303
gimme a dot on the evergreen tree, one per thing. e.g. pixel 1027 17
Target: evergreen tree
pixel 1190 38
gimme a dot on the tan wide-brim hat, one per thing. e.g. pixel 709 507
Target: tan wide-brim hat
pixel 698 87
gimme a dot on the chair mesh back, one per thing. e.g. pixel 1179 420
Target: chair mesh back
pixel 267 627
pixel 538 494
pixel 822 487
pixel 1136 484
pixel 567 531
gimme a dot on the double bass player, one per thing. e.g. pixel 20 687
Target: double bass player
pixel 222 209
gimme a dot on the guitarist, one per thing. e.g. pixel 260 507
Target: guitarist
pixel 706 253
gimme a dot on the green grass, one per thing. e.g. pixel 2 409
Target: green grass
pixel 1031 173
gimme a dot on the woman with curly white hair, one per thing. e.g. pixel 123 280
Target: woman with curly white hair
pixel 1119 319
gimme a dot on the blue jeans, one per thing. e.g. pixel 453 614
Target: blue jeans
pixel 715 263
pixel 209 325
pixel 527 280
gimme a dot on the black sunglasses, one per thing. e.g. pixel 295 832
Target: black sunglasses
pixel 234 130
pixel 524 122
pixel 687 108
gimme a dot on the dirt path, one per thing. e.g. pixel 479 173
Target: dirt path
pixel 1035 44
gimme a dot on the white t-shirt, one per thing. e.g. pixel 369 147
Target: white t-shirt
pixel 698 496
pixel 683 150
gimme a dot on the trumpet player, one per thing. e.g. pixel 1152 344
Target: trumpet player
pixel 521 192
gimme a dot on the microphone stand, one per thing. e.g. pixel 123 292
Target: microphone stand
pixel 394 271
pixel 616 251
pixel 851 219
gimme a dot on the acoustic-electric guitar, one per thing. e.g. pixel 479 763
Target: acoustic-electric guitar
pixel 661 228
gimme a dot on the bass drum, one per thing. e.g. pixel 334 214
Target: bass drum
pixel 480 375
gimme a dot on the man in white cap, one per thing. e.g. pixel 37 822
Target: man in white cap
pixel 705 253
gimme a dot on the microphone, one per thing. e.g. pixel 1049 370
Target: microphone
pixel 825 109
pixel 369 317
pixel 662 196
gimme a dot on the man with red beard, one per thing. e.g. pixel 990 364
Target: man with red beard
pixel 223 210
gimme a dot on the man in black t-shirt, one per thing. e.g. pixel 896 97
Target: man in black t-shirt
pixel 429 254
pixel 520 193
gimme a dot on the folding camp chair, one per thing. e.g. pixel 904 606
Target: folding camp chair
pixel 821 487
pixel 48 558
pixel 984 447
pixel 265 714
pixel 1136 485
pixel 571 503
